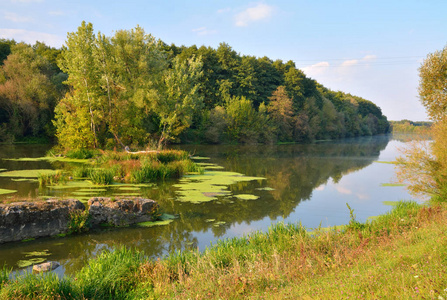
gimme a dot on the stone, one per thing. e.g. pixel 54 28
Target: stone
pixel 23 220
pixel 121 211
pixel 45 267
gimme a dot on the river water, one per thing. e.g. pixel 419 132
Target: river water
pixel 310 184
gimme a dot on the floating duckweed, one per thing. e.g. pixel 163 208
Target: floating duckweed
pixel 246 197
pixel 28 173
pixel 37 253
pixel 208 186
pixel 165 219
pixel 199 157
pixel 129 188
pixel 6 191
pixel 265 189
pixel 28 262
pixel 219 223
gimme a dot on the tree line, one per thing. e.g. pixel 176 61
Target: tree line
pixel 131 89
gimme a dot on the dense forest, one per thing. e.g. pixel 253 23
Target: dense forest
pixel 131 89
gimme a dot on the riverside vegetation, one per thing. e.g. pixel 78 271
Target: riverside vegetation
pixel 401 254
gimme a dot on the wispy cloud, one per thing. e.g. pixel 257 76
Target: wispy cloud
pixel 204 31
pixel 252 14
pixel 31 37
pixel 13 17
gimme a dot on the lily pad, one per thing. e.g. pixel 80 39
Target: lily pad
pixel 126 194
pixel 129 188
pixel 219 223
pixel 210 220
pixel 28 262
pixel 74 184
pixel 25 179
pixel 6 191
pixel 1 170
pixel 28 173
pixel 164 219
pixel 51 159
pixel 246 197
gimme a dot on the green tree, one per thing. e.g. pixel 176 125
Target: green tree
pixel 180 98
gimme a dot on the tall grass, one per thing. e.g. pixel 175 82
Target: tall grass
pixel 111 275
pixel 50 179
pixel 101 176
pixel 5 273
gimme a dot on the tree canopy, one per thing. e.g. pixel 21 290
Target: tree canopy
pixel 132 89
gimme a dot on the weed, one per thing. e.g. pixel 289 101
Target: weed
pixel 79 221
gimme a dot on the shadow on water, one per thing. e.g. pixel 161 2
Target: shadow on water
pixel 291 172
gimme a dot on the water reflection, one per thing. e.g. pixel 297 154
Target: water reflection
pixel 308 183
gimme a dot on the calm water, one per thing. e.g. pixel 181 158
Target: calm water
pixel 307 183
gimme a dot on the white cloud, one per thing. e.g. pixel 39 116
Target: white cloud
pixel 13 17
pixel 343 190
pixel 204 31
pixel 316 69
pixel 369 57
pixel 30 37
pixel 252 14
pixel 349 63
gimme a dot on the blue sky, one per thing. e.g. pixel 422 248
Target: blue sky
pixel 369 48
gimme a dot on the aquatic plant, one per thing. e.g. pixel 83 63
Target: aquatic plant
pixel 49 178
pixel 101 176
pixel 79 221
pixel 81 153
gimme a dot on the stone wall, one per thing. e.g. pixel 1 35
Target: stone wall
pixel 23 220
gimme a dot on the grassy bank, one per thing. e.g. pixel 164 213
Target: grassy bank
pixel 400 255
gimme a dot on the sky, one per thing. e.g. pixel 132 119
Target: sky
pixel 371 49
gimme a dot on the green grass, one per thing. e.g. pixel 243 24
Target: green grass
pixel 399 255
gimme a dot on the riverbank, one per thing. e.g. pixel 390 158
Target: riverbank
pixel 399 255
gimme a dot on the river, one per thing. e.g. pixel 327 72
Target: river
pixel 310 184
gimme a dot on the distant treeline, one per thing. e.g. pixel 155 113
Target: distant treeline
pixel 131 89
pixel 407 126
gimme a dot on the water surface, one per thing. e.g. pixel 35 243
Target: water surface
pixel 310 184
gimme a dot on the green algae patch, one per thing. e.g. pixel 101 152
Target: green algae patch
pixel 37 253
pixel 265 189
pixel 390 203
pixel 129 188
pixel 1 170
pixel 34 173
pixel 24 179
pixel 29 262
pixel 199 157
pixel 219 223
pixel 164 219
pixel 208 186
pixel 74 184
pixel 6 191
pixel 246 197
pixel 392 184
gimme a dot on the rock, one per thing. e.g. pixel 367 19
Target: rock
pixel 22 220
pixel 46 266
pixel 121 211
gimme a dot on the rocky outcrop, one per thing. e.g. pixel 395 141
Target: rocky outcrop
pixel 45 267
pixel 121 212
pixel 23 220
